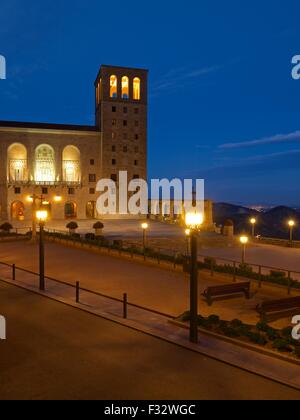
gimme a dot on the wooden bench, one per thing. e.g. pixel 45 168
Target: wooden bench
pixel 227 290
pixel 279 308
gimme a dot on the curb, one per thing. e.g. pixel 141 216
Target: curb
pixel 242 344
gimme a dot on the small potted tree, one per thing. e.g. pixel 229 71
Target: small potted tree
pixel 98 226
pixel 72 226
pixel 6 227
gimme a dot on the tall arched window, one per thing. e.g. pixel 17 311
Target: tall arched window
pixel 17 161
pixel 125 87
pixel 44 164
pixel 113 86
pixel 71 164
pixel 136 89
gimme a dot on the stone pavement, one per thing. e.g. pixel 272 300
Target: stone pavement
pixel 150 285
pixel 159 326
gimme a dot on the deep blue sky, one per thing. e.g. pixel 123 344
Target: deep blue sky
pixel 220 73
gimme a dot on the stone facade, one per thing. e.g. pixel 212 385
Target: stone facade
pixel 168 211
pixel 61 164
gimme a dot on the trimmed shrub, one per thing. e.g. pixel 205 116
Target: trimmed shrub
pixel 6 227
pixel 262 326
pixel 90 236
pixel 214 319
pixel 72 225
pixel 98 225
pixel 272 334
pixel 185 317
pixel 236 323
pixel 257 338
pixel 282 345
pixel 245 270
pixel 277 274
pixel 229 331
pixel 210 261
pixel 297 351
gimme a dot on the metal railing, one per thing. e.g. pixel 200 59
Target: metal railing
pixel 77 291
pixel 175 260
pixel 259 271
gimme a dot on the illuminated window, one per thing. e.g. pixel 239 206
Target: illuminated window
pixel 44 164
pixel 17 158
pixel 113 86
pixel 71 164
pixel 125 87
pixel 136 89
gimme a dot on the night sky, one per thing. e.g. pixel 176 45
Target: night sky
pixel 223 105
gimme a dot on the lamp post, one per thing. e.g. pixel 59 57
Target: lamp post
pixel 291 225
pixel 41 216
pixel 145 226
pixel 193 222
pixel 188 235
pixel 253 223
pixel 244 241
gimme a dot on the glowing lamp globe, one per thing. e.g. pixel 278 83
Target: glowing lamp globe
pixel 193 220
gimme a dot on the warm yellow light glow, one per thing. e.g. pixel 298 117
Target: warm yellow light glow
pixel 291 223
pixel 136 89
pixel 188 232
pixel 29 199
pixel 41 215
pixel 194 219
pixel 253 221
pixel 125 87
pixel 45 203
pixel 244 240
pixel 58 198
pixel 145 226
pixel 113 86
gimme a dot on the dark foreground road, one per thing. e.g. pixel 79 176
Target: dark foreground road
pixel 56 352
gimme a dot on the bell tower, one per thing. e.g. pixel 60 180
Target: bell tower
pixel 121 96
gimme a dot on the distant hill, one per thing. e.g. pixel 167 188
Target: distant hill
pixel 272 223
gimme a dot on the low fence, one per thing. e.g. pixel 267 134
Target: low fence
pixel 278 242
pixel 74 291
pixel 260 273
pixel 235 269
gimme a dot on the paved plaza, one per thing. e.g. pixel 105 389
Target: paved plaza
pixel 57 352
pixel 151 286
pixel 171 237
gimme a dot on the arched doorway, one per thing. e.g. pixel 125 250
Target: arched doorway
pixel 17 211
pixel 70 210
pixel 91 210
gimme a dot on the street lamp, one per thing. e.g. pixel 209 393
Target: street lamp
pixel 291 225
pixel 41 216
pixel 187 235
pixel 253 223
pixel 244 241
pixel 145 226
pixel 193 221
